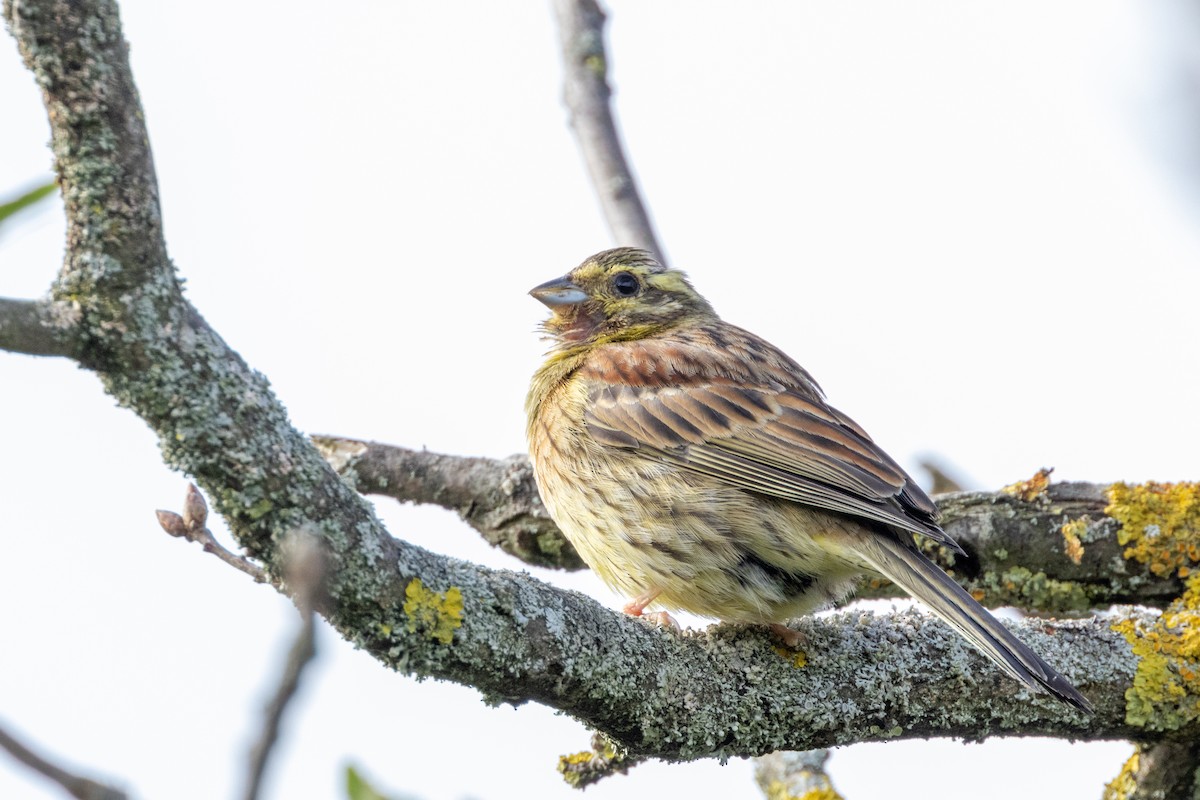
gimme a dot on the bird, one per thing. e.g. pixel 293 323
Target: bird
pixel 696 467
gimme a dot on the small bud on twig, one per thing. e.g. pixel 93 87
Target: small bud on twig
pixel 191 526
pixel 171 522
pixel 195 510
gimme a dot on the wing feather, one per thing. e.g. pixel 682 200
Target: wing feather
pixel 750 420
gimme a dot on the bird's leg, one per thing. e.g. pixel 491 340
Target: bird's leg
pixel 791 638
pixel 637 605
pixel 637 608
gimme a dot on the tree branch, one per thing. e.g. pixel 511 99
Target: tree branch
pixel 37 328
pixel 305 578
pixel 1020 554
pixel 723 692
pixel 1164 771
pixel 75 785
pixel 1017 553
pixel 498 498
pixel 587 95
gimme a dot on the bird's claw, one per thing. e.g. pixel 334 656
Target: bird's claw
pixel 791 638
pixel 662 619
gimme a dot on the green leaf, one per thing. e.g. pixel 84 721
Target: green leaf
pixel 23 201
pixel 357 787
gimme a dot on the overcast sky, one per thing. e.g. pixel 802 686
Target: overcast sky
pixel 971 222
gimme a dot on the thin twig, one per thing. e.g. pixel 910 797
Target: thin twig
pixel 305 579
pixel 496 497
pixel 75 785
pixel 587 95
pixel 300 654
pixel 37 328
pixel 190 525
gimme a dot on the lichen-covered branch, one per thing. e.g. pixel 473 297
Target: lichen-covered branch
pixel 587 95
pixel 497 497
pixel 305 563
pixel 1021 552
pixel 1164 771
pixel 1064 550
pixel 658 693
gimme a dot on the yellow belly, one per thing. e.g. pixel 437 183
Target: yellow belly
pixel 712 550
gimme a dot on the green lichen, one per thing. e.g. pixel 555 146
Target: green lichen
pixel 1160 524
pixel 596 65
pixel 1024 587
pixel 438 614
pixel 887 733
pixel 1166 687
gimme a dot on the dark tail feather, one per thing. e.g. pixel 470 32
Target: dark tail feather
pixel 901 562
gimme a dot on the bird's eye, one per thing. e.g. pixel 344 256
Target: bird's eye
pixel 626 284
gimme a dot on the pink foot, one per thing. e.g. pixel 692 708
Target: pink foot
pixel 637 605
pixel 662 619
pixel 637 608
pixel 791 638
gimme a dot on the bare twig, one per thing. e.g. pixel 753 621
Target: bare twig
pixel 305 571
pixel 498 498
pixel 37 328
pixel 190 526
pixel 75 785
pixel 587 95
pixel 942 479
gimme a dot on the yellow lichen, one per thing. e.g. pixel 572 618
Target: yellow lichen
pixel 1160 524
pixel 575 759
pixel 1166 687
pixel 1032 488
pixel 438 614
pixel 584 768
pixel 822 790
pixel 797 658
pixel 1072 533
pixel 1122 787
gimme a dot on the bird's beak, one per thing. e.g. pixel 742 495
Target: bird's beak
pixel 559 292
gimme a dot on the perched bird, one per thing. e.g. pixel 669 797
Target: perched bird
pixel 697 467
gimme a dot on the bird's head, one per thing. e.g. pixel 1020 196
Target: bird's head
pixel 618 295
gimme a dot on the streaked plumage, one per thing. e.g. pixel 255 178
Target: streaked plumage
pixel 695 465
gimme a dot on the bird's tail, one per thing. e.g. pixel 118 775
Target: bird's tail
pixel 898 559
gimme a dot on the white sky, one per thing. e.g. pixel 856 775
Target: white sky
pixel 946 211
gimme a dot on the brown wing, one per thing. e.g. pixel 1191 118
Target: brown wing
pixel 752 418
